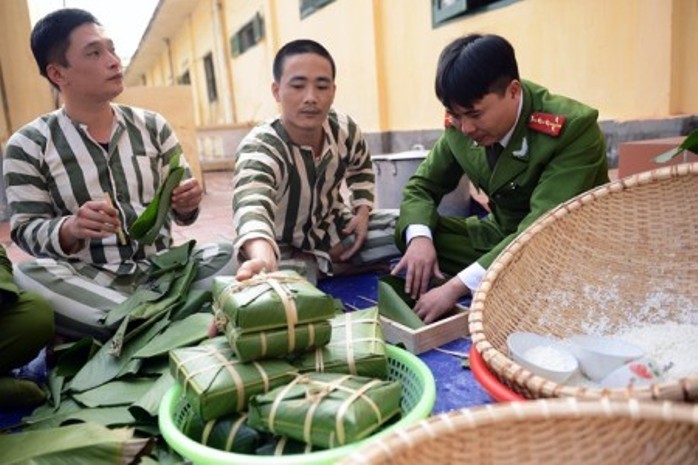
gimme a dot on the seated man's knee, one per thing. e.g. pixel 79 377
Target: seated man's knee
pixel 42 319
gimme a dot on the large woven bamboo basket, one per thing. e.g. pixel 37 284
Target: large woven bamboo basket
pixel 545 431
pixel 622 253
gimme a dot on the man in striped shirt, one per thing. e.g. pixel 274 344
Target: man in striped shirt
pixel 61 168
pixel 287 204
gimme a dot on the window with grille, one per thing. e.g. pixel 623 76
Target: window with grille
pixel 308 7
pixel 248 35
pixel 443 11
pixel 210 78
pixel 184 78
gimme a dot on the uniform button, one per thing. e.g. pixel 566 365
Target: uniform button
pixel 119 197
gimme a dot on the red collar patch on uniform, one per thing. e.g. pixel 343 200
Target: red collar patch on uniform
pixel 547 123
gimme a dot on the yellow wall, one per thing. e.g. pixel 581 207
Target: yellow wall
pixel 176 105
pixel 25 93
pixel 208 38
pixel 631 59
pixel 685 60
pixel 612 55
pixel 251 71
pixel 345 28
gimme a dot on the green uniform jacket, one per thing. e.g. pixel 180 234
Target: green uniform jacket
pixel 536 172
pixel 8 288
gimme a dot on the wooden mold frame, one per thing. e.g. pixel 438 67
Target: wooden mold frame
pixel 427 337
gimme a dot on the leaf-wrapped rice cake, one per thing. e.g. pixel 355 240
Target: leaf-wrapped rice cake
pixel 279 342
pixel 229 433
pixel 216 383
pixel 282 299
pixel 326 409
pixel 357 347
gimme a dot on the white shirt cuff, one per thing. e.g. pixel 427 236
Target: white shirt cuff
pixel 416 230
pixel 472 276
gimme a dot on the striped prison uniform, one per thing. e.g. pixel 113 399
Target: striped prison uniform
pixel 51 167
pixel 297 202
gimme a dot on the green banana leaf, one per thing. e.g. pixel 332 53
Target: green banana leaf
pixel 173 180
pixel 254 305
pixel 147 226
pixel 110 379
pixel 132 368
pixel 72 356
pixel 107 416
pixel 278 342
pixel 115 393
pixel 155 310
pixel 150 429
pixel 86 443
pixel 48 416
pixel 104 366
pixel 690 143
pixel 186 332
pixel 357 347
pixel 146 408
pixel 395 304
pixel 164 455
pixel 197 301
pixel 155 366
pixel 141 297
pixel 173 259
pixel 177 293
pixel 72 412
pixel 149 298
pixel 56 383
pixel 326 409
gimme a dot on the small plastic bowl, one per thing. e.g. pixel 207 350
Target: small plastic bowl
pixel 641 372
pixel 600 355
pixel 544 356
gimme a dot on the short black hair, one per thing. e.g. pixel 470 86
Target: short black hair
pixel 50 37
pixel 297 47
pixel 472 66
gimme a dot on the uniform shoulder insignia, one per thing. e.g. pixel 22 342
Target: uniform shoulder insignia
pixel 547 123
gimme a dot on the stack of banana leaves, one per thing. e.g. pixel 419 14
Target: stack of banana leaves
pixel 103 397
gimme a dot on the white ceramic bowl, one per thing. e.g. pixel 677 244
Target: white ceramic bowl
pixel 641 372
pixel 600 355
pixel 544 356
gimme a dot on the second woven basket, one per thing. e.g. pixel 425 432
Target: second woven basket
pixel 623 253
pixel 545 431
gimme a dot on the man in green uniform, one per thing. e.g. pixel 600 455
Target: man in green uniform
pixel 527 149
pixel 26 326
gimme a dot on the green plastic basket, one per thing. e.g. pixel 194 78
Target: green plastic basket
pixel 418 396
